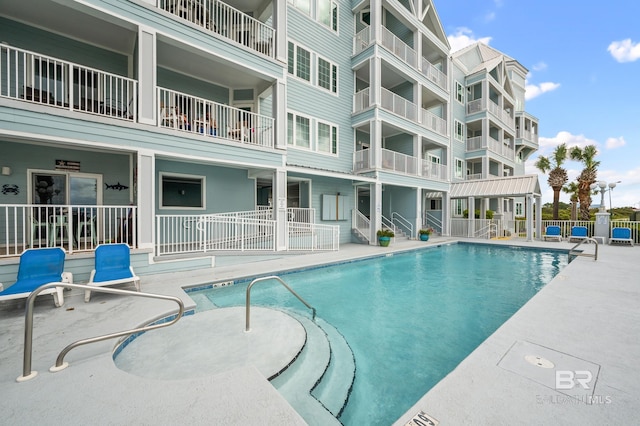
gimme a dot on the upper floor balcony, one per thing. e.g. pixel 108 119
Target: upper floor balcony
pixel 226 21
pixel 481 105
pixel 403 107
pixel 401 163
pixel 39 79
pixel 504 148
pixel 402 51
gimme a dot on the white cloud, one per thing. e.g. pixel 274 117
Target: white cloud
pixel 613 143
pixel 535 90
pixel 540 66
pixel 625 50
pixel 464 37
pixel 547 145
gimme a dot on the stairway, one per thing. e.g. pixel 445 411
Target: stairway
pixel 317 384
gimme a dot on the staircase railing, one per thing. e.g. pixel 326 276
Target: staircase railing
pixel 433 222
pixel 272 277
pixel 402 223
pixel 27 374
pixel 362 224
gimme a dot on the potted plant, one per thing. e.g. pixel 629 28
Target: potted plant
pixel 425 233
pixel 384 237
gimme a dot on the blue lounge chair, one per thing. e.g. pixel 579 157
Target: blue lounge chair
pixel 621 235
pixel 38 267
pixel 112 266
pixel 578 233
pixel 553 233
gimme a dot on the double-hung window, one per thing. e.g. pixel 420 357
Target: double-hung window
pixel 459 168
pixel 327 75
pixel 458 130
pixel 327 138
pixel 459 93
pixel 299 62
pixel 298 131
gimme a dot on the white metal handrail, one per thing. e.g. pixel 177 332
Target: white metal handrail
pixel 272 277
pixel 432 221
pixel 401 222
pixel 362 224
pixel 60 364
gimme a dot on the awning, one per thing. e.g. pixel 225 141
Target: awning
pixel 512 186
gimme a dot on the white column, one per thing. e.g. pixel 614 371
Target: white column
pixel 279 94
pixel 146 201
pixel 376 212
pixel 538 217
pixel 375 22
pixel 279 193
pixel 420 208
pixel 147 77
pixel 471 217
pixel 280 25
pixel 375 147
pixel 446 214
pixel 375 76
pixel 530 217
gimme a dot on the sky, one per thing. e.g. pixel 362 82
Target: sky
pixel 583 60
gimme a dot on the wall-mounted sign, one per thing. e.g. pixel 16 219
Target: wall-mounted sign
pixel 69 166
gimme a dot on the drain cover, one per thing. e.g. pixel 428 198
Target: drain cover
pixel 538 361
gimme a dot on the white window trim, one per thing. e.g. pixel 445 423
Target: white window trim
pixel 296 46
pixel 431 157
pixel 455 168
pixel 317 69
pixel 313 15
pixel 313 63
pixel 456 136
pixel 311 131
pixel 461 102
pixel 331 126
pixel 203 179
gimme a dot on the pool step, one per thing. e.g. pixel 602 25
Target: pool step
pixel 295 383
pixel 334 388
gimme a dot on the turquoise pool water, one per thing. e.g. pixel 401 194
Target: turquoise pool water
pixel 410 318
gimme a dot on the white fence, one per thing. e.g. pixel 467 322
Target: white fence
pixel 71 227
pixel 42 79
pixel 312 237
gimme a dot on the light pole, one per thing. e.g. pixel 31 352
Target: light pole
pixel 602 185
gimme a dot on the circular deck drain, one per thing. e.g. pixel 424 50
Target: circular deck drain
pixel 539 361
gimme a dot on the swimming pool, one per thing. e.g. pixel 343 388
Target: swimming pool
pixel 410 318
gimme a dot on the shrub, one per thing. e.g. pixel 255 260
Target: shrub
pixel 386 233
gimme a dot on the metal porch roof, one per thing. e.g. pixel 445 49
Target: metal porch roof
pixel 512 186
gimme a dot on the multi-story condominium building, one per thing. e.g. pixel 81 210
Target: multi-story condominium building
pixel 185 126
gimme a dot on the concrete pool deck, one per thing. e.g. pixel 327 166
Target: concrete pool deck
pixel 586 319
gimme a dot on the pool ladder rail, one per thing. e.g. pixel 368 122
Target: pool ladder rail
pixel 27 374
pixel 271 277
pixel 574 252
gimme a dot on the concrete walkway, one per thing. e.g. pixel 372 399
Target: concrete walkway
pixel 586 319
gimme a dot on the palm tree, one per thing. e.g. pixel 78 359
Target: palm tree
pixel 572 190
pixel 557 174
pixel 587 176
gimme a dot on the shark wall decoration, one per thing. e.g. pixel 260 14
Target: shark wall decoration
pixel 117 186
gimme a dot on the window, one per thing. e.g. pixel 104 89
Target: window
pixel 459 93
pixel 519 209
pixel 327 138
pixel 299 62
pixel 436 204
pixel 328 13
pixel 458 130
pixel 459 169
pixel 298 131
pixel 182 191
pixel 303 6
pixel 458 207
pixel 327 75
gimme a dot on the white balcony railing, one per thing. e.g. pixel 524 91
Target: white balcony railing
pixel 399 162
pixel 224 20
pixel 398 105
pixel 434 74
pixel 196 115
pixel 433 170
pixel 361 160
pixel 71 227
pixel 361 100
pixel 398 47
pixel 362 40
pixel 312 237
pixel 46 80
pixel 500 148
pixel 435 123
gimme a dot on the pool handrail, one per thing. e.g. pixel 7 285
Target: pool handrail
pixel 271 277
pixel 572 251
pixel 27 374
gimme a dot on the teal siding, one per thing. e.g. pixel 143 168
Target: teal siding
pixel 191 86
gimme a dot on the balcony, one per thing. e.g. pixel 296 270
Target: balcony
pixel 401 163
pixel 39 79
pixel 480 142
pixel 527 135
pixel 398 105
pixel 224 20
pixel 402 51
pixel 46 80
